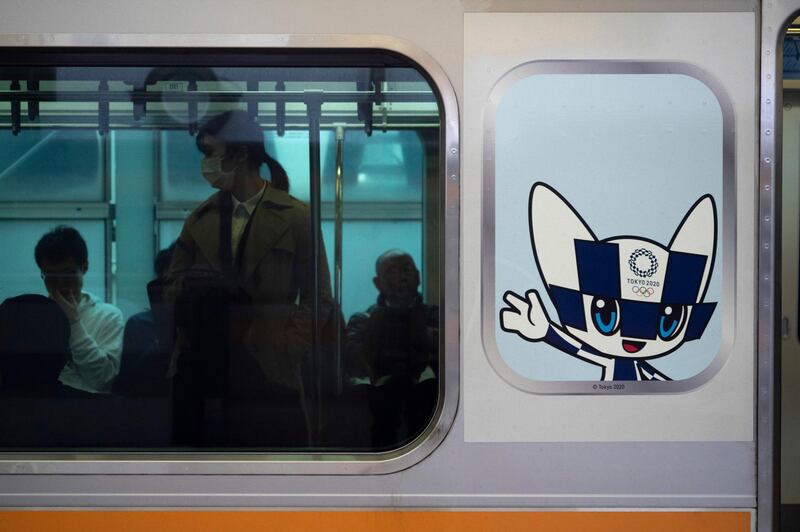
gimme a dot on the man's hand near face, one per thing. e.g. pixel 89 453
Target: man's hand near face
pixel 68 303
pixel 97 329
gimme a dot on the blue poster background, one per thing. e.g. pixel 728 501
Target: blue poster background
pixel 631 153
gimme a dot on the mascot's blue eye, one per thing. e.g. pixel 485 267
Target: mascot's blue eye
pixel 605 315
pixel 670 321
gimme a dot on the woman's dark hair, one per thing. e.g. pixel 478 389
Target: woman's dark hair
pixel 62 243
pixel 236 129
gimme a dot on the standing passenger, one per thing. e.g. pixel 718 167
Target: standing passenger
pixel 95 327
pixel 253 237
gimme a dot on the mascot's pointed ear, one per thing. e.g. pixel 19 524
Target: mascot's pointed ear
pixel 697 234
pixel 554 227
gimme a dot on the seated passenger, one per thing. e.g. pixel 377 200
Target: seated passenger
pixel 34 345
pixel 95 327
pixel 242 277
pixel 393 345
pixel 147 343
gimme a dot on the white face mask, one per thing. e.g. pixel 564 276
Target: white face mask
pixel 211 168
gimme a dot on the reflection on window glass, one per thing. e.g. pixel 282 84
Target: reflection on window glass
pixel 790 165
pixel 386 166
pixel 180 168
pixel 292 150
pixel 169 231
pixel 363 242
pixel 791 56
pixel 20 274
pixel 51 165
pixel 196 329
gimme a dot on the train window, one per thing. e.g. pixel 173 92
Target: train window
pixel 376 166
pixel 51 165
pixel 789 155
pixel 593 276
pixel 791 106
pixel 218 252
pixel 20 276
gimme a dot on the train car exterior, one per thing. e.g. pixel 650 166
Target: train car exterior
pixel 582 162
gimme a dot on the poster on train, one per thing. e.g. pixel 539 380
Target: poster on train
pixel 607 201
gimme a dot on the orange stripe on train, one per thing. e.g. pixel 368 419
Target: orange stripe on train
pixel 377 521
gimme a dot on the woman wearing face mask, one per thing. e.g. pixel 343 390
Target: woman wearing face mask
pixel 252 233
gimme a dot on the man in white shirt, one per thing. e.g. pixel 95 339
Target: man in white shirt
pixel 96 328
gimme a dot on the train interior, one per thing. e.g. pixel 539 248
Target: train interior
pixel 111 152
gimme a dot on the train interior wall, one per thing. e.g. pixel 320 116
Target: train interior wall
pixel 70 169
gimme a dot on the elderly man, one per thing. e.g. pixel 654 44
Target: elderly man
pixel 392 347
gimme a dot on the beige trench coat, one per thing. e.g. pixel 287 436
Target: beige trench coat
pixel 276 271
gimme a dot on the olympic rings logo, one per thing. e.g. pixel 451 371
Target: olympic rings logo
pixel 644 291
pixel 643 272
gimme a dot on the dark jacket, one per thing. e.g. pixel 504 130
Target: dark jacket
pixel 387 341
